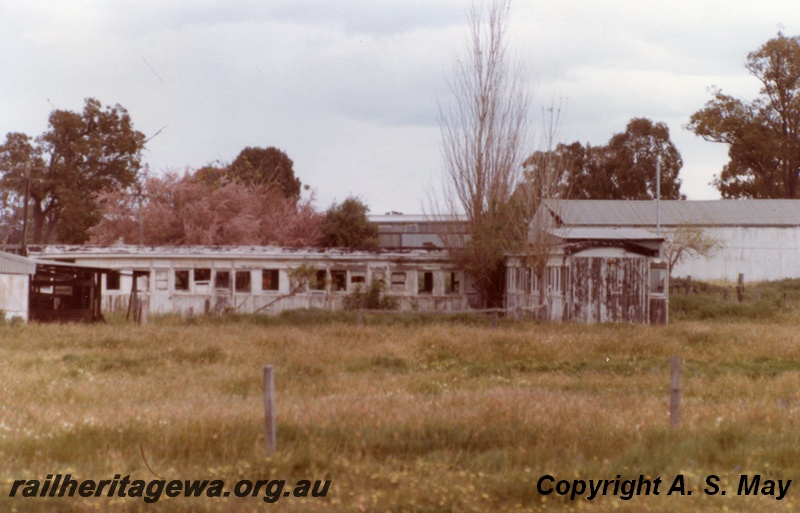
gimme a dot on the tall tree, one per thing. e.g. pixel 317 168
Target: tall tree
pixel 484 134
pixel 80 154
pixel 625 168
pixel 633 156
pixel 763 135
pixel 346 226
pixel 266 166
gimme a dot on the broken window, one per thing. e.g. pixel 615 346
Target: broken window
pixel 319 282
pixel 398 282
pixel 658 279
pixel 425 282
pixel 181 279
pixel 202 275
pixel 222 280
pixel 452 283
pixel 270 279
pixel 112 280
pixel 358 279
pixel 202 280
pixel 338 281
pixel 242 281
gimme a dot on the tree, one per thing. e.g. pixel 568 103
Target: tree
pixel 484 133
pixel 266 166
pixel 182 210
pixel 763 135
pixel 346 226
pixel 545 176
pixel 80 154
pixel 689 241
pixel 625 168
pixel 633 155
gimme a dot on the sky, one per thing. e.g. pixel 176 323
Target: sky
pixel 350 89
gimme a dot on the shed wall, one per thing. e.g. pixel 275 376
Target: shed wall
pixel 761 253
pixel 14 295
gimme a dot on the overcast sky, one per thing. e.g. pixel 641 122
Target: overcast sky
pixel 349 88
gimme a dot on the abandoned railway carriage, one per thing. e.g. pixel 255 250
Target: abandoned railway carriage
pixel 199 280
pixel 593 275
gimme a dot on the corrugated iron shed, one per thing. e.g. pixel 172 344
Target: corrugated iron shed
pixel 15 264
pixel 676 213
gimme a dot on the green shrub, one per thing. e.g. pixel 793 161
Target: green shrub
pixel 371 298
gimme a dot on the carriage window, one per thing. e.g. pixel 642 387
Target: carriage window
pixel 319 282
pixel 181 279
pixel 222 280
pixel 270 279
pixel 338 281
pixel 658 280
pixel 112 280
pixel 202 275
pixel 242 281
pixel 452 283
pixel 358 279
pixel 424 282
pixel 398 282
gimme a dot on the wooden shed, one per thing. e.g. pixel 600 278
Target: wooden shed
pixel 594 275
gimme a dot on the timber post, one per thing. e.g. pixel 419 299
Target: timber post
pixel 675 392
pixel 740 287
pixel 269 408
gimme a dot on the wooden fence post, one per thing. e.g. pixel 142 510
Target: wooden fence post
pixel 269 408
pixel 675 392
pixel 740 287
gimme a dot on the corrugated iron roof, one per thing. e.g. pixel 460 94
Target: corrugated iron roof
pixel 15 264
pixel 593 233
pixel 675 212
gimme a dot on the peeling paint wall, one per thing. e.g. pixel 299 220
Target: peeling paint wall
pixel 210 281
pixel 596 285
pixel 609 289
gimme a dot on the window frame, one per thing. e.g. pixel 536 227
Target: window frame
pixel 273 280
pixel 181 276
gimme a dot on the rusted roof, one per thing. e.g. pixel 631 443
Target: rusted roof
pixel 675 212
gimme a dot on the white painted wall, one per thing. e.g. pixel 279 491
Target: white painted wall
pixel 761 253
pixel 14 295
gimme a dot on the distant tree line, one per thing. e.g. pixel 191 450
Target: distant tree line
pixel 84 183
pixel 83 178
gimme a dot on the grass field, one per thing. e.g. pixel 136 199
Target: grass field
pixel 406 414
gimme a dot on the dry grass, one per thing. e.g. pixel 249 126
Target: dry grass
pixel 420 417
